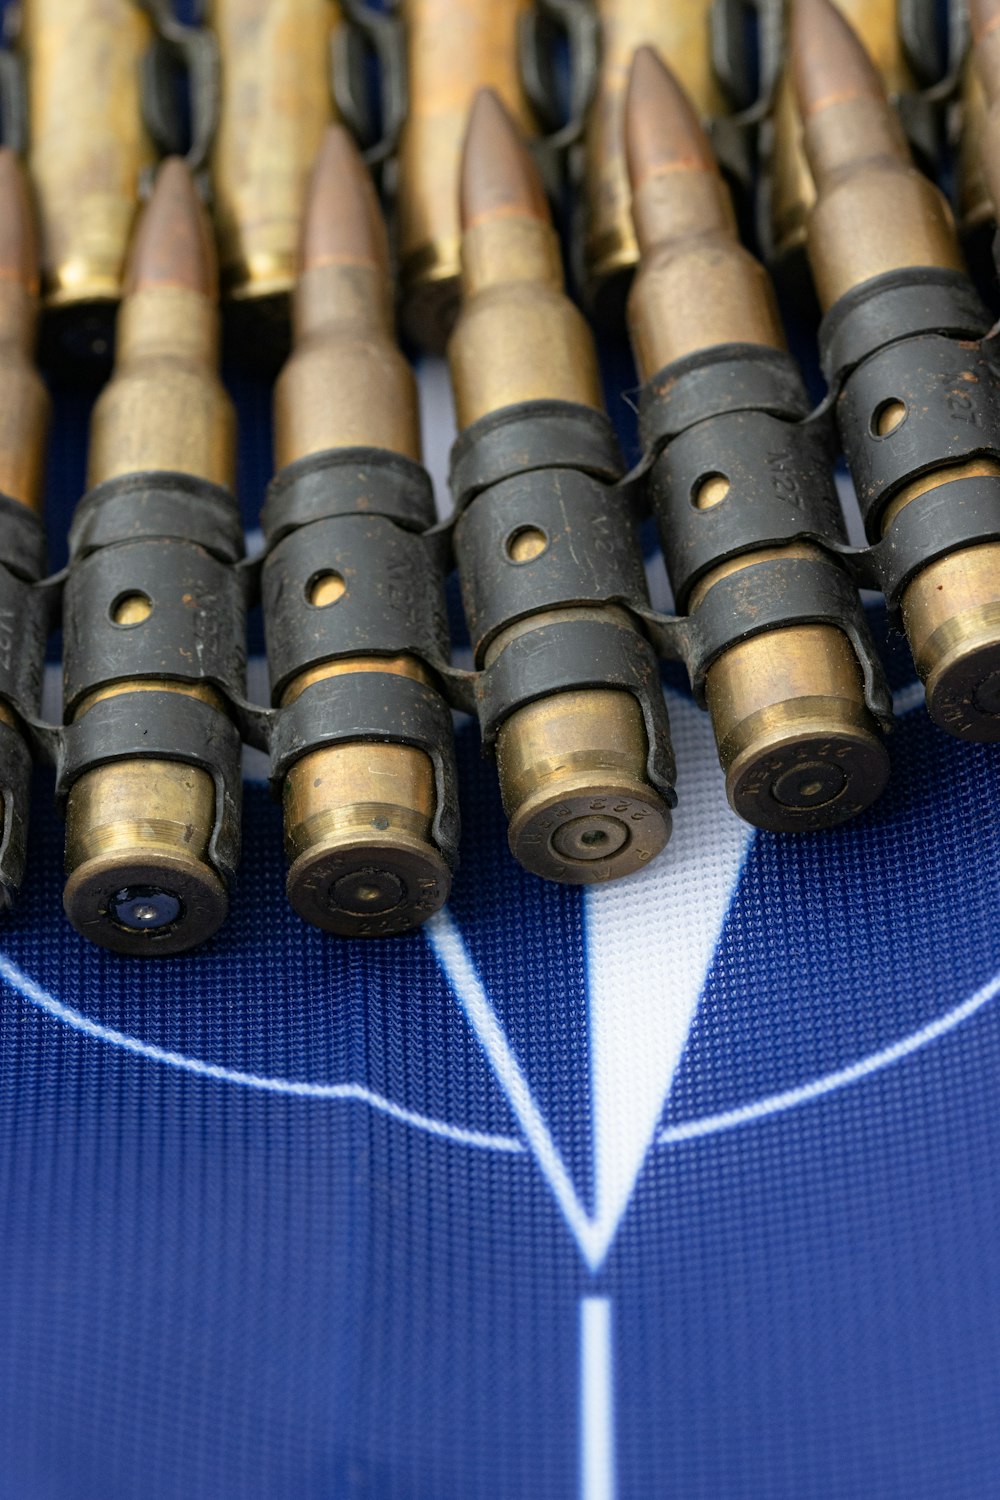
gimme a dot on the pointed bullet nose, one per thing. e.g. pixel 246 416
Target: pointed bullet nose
pixel 18 237
pixel 498 177
pixel 829 63
pixel 662 131
pixel 172 245
pixel 984 16
pixel 342 220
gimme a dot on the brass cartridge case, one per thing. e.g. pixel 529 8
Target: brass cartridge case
pixel 572 766
pixel 87 152
pixel 681 34
pixel 453 48
pixel 276 102
pixel 137 831
pixel 24 401
pixel 795 738
pixel 791 189
pixel 358 815
pixel 979 157
pixel 976 213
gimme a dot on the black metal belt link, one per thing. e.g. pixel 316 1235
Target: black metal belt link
pixel 739 417
pixel 162 726
pixel 916 343
pixel 567 655
pixel 362 518
pixel 771 595
pixel 178 48
pixel 124 542
pixel 25 615
pixel 382 707
pixel 385 606
pixel 533 435
pixel 193 632
pixel 368 33
pixel 589 553
pixel 547 471
pixel 540 29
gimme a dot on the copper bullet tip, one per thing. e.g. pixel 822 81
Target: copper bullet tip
pixel 18 237
pixel 662 131
pixel 342 220
pixel 984 17
pixel 498 178
pixel 172 245
pixel 829 63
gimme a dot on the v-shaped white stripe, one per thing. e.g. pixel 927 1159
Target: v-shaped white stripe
pixel 650 943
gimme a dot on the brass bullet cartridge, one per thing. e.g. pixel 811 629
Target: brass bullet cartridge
pixel 275 103
pixel 799 747
pixel 24 416
pixel 682 35
pixel 879 224
pixel 87 150
pixel 979 160
pixel 975 211
pixel 24 402
pixel 453 48
pixel 138 831
pixel 791 189
pixel 359 814
pixel 572 764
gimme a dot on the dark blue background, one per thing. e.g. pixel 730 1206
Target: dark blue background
pixel 215 1292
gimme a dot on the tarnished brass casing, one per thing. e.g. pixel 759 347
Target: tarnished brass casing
pixel 572 766
pixel 795 738
pixel 790 186
pixel 453 48
pixel 24 401
pixel 979 154
pixel 875 213
pixel 275 103
pixel 974 199
pixel 358 815
pixel 681 34
pixel 143 827
pixel 87 149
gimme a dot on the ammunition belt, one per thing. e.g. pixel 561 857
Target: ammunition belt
pixel 916 338
pixel 176 542
pixel 548 469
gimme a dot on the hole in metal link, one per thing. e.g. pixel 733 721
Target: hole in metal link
pixel 131 609
pixel 526 543
pixel 888 415
pixel 709 490
pixel 325 588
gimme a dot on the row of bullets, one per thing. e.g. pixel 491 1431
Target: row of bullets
pixel 88 87
pixel 737 471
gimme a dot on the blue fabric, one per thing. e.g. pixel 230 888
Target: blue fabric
pixel 686 1189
